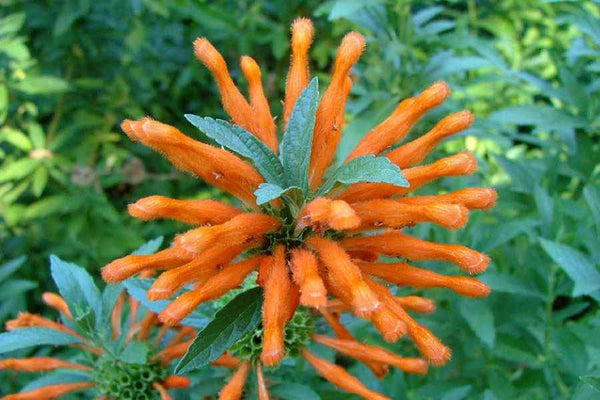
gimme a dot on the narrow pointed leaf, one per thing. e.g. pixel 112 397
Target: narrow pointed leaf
pixel 29 337
pixel 297 141
pixel 234 321
pixel 366 169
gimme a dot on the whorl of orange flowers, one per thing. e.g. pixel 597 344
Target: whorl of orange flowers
pixel 331 264
pixel 139 329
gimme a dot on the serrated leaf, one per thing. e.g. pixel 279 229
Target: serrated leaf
pixel 239 140
pixel 480 319
pixel 78 289
pixel 9 267
pixel 293 391
pixel 366 169
pixel 297 140
pixel 267 192
pixel 509 284
pixel 231 323
pixel 29 337
pixel 585 276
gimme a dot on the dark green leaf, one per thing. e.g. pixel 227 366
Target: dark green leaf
pixel 54 378
pixel 297 141
pixel 585 276
pixel 29 337
pixel 593 381
pixel 231 323
pixel 366 169
pixel 241 141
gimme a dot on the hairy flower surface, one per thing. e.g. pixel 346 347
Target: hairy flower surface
pixel 314 232
pixel 108 374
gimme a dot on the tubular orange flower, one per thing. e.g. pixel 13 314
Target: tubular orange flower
pixel 397 125
pixel 109 377
pixel 259 102
pixel 193 212
pixel 358 350
pixel 277 290
pixel 216 166
pixel 397 244
pixel 306 275
pixel 57 302
pixel 49 392
pixel 233 389
pixel 38 364
pixel 326 236
pixel 339 377
pixel 298 75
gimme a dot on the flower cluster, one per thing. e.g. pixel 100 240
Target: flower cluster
pixel 111 376
pixel 313 233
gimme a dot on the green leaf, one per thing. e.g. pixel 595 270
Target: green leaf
pixel 18 169
pixel 239 140
pixel 546 117
pixel 29 337
pixel 40 179
pixel 592 198
pixel 231 323
pixel 293 391
pixel 296 144
pixel 78 289
pixel 9 267
pixel 16 138
pixel 136 353
pixel 11 23
pixel 509 284
pixel 576 266
pixel 267 192
pixel 480 319
pixel 42 85
pixel 593 381
pixel 366 169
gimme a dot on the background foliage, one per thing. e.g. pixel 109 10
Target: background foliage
pixel 71 70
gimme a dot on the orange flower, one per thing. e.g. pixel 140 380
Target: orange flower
pixel 55 301
pixel 139 330
pixel 49 392
pixel 312 243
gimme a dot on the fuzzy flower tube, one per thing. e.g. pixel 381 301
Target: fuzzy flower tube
pixel 314 232
pixel 100 369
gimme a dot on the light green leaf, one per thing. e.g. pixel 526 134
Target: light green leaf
pixel 585 276
pixel 366 169
pixel 267 192
pixel 231 323
pixel 546 117
pixel 509 284
pixel 42 85
pixel 40 179
pixel 17 169
pixel 239 140
pixel 11 23
pixel 3 103
pixel 480 319
pixel 29 337
pixel 16 138
pixel 592 198
pixel 296 144
pixel 78 289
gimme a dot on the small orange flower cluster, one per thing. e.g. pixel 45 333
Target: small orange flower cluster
pixel 139 331
pixel 331 266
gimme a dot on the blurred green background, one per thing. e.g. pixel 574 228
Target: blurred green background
pixel 71 70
